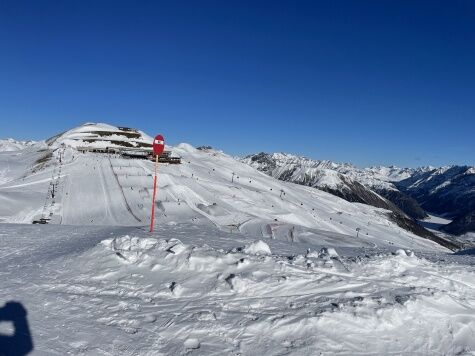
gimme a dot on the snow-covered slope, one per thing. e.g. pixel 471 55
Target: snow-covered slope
pixel 373 186
pixel 208 188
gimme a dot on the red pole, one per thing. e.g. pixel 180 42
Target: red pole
pixel 152 219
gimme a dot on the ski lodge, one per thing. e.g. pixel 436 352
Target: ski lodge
pixel 137 153
pixel 128 148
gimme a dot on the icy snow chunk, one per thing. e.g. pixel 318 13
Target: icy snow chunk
pixel 127 243
pixel 129 248
pixel 404 253
pixel 79 346
pixel 258 248
pixel 401 253
pixel 328 252
pixel 192 343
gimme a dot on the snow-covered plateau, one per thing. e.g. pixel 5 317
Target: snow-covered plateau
pixel 240 263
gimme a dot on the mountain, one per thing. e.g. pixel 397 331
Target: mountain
pixel 344 181
pixel 371 186
pixel 447 191
pixel 461 225
pixel 81 177
pixel 101 136
pixel 9 145
pixel 383 180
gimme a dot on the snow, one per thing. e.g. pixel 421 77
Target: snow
pixel 119 290
pixel 328 251
pixel 78 137
pixel 329 173
pixel 258 248
pixel 240 263
pixel 99 189
pixel 10 145
pixel 437 220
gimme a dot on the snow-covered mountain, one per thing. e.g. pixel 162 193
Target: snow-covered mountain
pixel 373 186
pixel 448 191
pixel 92 135
pixel 462 224
pixel 9 145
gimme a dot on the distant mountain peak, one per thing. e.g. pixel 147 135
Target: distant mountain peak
pixel 10 144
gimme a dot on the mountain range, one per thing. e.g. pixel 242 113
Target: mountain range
pixel 416 192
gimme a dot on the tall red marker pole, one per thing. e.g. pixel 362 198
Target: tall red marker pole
pixel 158 147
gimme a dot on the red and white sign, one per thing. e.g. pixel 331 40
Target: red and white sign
pixel 158 145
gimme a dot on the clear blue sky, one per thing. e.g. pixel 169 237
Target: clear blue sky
pixel 367 82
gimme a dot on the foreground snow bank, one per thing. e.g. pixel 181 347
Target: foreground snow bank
pixel 197 290
pixel 308 303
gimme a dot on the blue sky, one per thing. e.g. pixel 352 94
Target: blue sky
pixel 367 82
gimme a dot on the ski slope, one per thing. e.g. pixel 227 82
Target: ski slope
pixel 209 187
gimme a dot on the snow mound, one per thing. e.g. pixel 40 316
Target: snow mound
pixel 401 252
pixel 192 343
pixel 404 253
pixel 258 248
